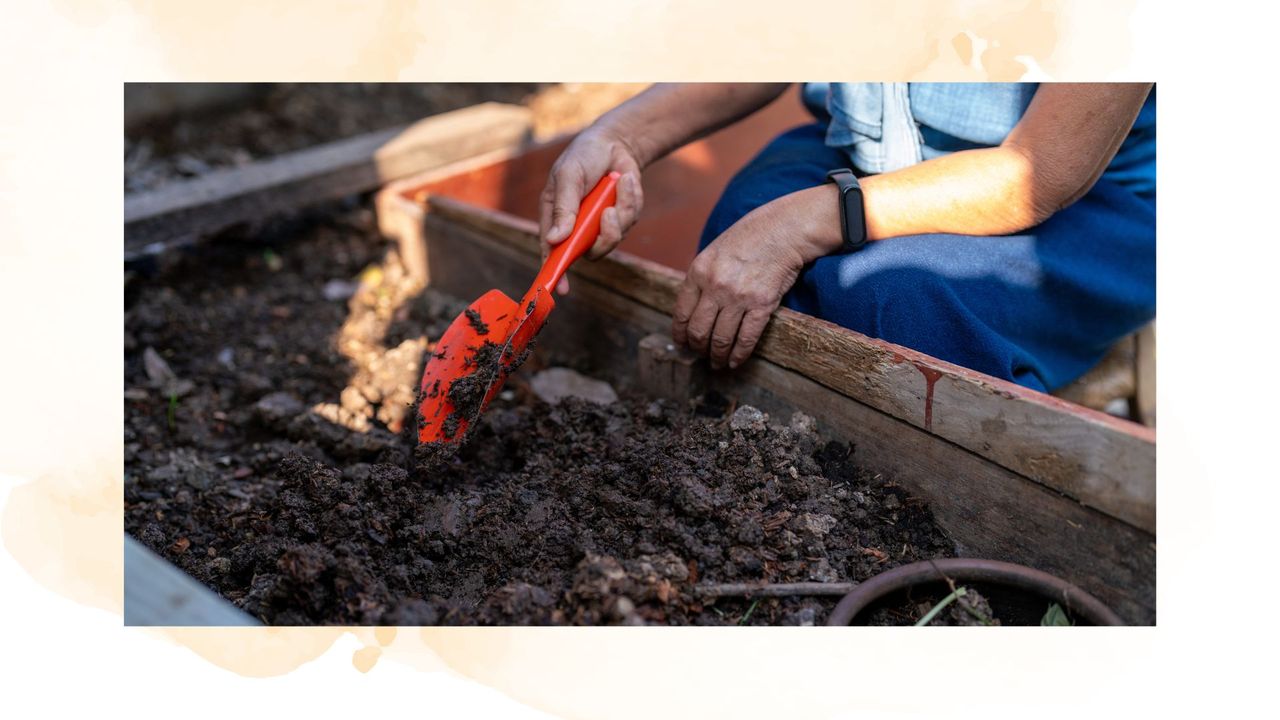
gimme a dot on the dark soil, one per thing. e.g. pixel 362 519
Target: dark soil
pixel 266 453
pixel 291 116
pixel 473 318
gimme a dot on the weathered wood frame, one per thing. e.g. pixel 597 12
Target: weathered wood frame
pixel 1011 473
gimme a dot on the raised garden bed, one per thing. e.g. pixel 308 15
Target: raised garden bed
pixel 262 460
pixel 265 457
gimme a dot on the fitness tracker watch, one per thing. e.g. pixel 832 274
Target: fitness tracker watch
pixel 853 221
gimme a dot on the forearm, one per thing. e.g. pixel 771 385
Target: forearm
pixel 667 116
pixel 1055 154
pixel 991 191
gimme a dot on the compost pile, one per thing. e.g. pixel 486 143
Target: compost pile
pixel 268 453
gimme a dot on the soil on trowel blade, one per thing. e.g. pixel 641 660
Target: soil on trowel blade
pixel 486 366
pixel 269 382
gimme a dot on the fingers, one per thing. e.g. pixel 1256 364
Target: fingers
pixel 630 200
pixel 546 202
pixel 686 301
pixel 616 220
pixel 749 333
pixel 562 287
pixel 701 323
pixel 610 234
pixel 723 335
pixel 567 196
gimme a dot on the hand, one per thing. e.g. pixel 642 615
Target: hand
pixel 595 151
pixel 733 286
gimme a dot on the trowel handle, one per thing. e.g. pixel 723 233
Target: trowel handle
pixel 586 228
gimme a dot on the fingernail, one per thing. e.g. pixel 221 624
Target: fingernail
pixel 733 364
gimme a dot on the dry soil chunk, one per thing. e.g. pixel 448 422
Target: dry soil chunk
pixel 748 419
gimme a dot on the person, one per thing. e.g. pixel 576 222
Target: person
pixel 1005 227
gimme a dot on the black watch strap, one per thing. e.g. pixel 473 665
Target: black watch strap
pixel 853 221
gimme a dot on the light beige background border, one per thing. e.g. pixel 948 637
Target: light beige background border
pixel 60 422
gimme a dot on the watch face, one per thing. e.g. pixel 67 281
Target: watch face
pixel 855 226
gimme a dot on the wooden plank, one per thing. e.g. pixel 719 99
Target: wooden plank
pixel 182 210
pixel 669 371
pixel 158 593
pixel 988 510
pixel 466 264
pixel 1104 462
pixel 502 177
pixel 680 189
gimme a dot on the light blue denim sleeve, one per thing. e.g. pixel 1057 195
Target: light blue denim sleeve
pixel 889 126
pixel 882 127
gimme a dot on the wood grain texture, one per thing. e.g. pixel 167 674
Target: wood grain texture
pixel 181 210
pixel 988 510
pixel 158 593
pixel 1102 461
pixel 668 370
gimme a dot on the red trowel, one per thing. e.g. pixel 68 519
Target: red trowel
pixel 488 341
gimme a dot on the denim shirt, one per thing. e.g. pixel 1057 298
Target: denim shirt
pixel 889 126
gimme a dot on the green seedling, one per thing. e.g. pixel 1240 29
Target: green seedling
pixel 273 261
pixel 747 615
pixel 1055 616
pixel 172 414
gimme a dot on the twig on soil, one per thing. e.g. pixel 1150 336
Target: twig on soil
pixel 773 590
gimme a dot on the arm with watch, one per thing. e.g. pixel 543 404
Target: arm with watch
pixel 1065 139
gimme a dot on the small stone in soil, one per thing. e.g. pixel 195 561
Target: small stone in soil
pixel 336 290
pixel 554 384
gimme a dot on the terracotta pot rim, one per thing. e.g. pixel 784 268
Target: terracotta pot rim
pixel 1075 601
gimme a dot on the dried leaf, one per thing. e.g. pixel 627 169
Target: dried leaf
pixel 158 371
